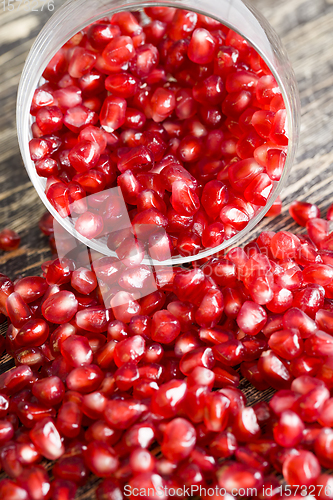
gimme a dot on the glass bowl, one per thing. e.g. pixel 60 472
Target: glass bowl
pixel 74 15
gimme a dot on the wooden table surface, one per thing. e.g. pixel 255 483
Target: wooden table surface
pixel 306 28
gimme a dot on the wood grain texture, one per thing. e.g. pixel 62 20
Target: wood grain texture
pixel 305 27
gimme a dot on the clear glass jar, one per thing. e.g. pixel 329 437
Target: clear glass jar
pixel 235 14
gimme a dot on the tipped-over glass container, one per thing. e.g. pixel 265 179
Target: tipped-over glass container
pixel 74 15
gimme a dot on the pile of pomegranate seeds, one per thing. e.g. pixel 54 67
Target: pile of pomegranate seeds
pixel 143 393
pixel 173 118
pixel 9 240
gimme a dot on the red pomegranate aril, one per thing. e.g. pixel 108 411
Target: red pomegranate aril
pixel 183 23
pixel 168 399
pixel 71 468
pixel 234 216
pixel 124 306
pixel 89 225
pixel 320 344
pixel 126 375
pixel 200 356
pixel 251 318
pixel 33 333
pixel 309 299
pixel 186 342
pixel 85 379
pixel 59 271
pixel 122 85
pixel 302 469
pixel 259 190
pixel 274 370
pixel 310 405
pixel 58 196
pixel 325 417
pixel 286 343
pixel 49 119
pixel 276 160
pixel 6 431
pixel 63 489
pixel 101 459
pixel 324 320
pixel 163 102
pixel 117 52
pixel 83 280
pixel 236 103
pixel 69 419
pixel 9 240
pixel 289 430
pixel 318 230
pixel 129 350
pixel 39 149
pixel 47 440
pixel 101 431
pixel 76 350
pixel 17 310
pixel 10 490
pixel 267 89
pixel 214 197
pixel 81 62
pixel 30 288
pixel 165 327
pixel 93 319
pixel 319 274
pixel 242 173
pixel 323 447
pixel 179 439
pixel 60 307
pixel 122 414
pixel 245 426
pixel 235 475
pixel 4 405
pixel 84 155
pixel 202 47
pixel 49 391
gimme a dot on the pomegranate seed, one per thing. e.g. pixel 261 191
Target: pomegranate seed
pixel 286 344
pixel 34 333
pixel 30 288
pixel 289 430
pixel 301 469
pixel 83 280
pixel 85 379
pixel 71 468
pixel 10 490
pixel 47 440
pixel 129 350
pixel 17 310
pixel 63 489
pixel 76 350
pixel 235 475
pixel 183 23
pixel 202 47
pixel 101 459
pixel 179 439
pixel 60 307
pixel 165 327
pixel 251 318
pixel 49 391
pixel 169 397
pixel 163 102
pixel 274 370
pixel 121 414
